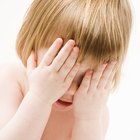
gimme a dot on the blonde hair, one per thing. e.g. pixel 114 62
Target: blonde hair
pixel 100 28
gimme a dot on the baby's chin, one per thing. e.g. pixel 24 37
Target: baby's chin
pixel 60 105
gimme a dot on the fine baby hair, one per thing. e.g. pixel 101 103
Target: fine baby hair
pixel 100 28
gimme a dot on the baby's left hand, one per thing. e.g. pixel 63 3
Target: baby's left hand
pixel 91 97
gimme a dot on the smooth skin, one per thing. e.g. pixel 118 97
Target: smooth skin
pixel 53 71
pixel 90 102
pixel 60 67
pixel 92 95
pixel 32 115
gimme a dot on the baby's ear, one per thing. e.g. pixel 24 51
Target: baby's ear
pixel 31 62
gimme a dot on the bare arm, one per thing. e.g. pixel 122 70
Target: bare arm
pixel 25 121
pixel 28 122
pixel 31 116
pixel 90 103
pixel 91 129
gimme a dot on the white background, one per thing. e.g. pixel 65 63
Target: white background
pixel 124 105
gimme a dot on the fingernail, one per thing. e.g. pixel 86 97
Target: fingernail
pixel 59 40
pixel 72 42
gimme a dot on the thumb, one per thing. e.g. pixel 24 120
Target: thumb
pixel 31 63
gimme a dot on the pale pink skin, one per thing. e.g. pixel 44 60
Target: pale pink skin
pixel 89 102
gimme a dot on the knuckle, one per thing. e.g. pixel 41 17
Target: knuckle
pixel 50 55
pixel 53 69
pixel 58 60
pixel 85 85
pixel 66 67
pixel 98 73
pixel 75 69
pixel 103 78
pixel 71 75
pixel 73 57
pixel 94 79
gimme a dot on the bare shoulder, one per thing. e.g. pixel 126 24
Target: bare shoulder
pixel 11 67
pixel 13 72
pixel 12 76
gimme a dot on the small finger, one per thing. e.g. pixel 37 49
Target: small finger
pixel 109 84
pixel 69 63
pixel 97 75
pixel 106 74
pixel 85 84
pixel 72 73
pixel 52 52
pixel 62 55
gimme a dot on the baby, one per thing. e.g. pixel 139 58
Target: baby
pixel 71 54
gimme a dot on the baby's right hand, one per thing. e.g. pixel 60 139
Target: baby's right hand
pixel 55 73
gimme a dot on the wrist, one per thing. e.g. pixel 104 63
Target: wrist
pixel 35 97
pixel 84 118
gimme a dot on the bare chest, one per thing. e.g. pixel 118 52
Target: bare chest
pixel 59 127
